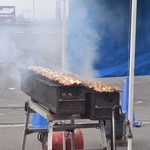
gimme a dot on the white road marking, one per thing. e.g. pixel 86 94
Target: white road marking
pixel 11 88
pixel 51 32
pixel 145 122
pixel 3 32
pixel 139 102
pixel 20 32
pixel 36 32
pixel 11 125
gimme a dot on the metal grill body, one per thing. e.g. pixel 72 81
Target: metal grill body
pixel 99 105
pixel 57 98
pixel 75 99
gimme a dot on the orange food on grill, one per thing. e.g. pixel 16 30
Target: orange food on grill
pixel 97 86
pixel 71 79
pixel 60 77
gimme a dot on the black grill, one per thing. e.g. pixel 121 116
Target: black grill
pixel 58 98
pixel 75 99
pixel 99 105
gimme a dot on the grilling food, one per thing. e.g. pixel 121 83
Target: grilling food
pixel 97 86
pixel 72 79
pixel 62 78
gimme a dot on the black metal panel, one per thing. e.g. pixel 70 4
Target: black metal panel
pixel 58 98
pixel 99 105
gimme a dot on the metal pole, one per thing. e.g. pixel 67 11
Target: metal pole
pixel 113 141
pixel 65 11
pixel 50 135
pixel 72 137
pixel 132 64
pixel 25 128
pixel 64 139
pixel 33 10
pixel 103 135
pixel 63 35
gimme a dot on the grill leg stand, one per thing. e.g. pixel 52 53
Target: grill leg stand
pixel 25 130
pixel 72 138
pixel 50 135
pixel 72 141
pixel 64 141
pixel 113 138
pixel 103 136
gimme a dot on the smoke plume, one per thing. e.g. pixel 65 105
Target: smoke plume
pixel 91 24
pixel 25 45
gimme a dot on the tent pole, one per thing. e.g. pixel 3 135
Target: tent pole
pixel 132 65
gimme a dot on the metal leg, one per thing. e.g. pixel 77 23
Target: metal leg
pixel 25 129
pixel 72 138
pixel 113 138
pixel 64 141
pixel 72 141
pixel 50 135
pixel 103 136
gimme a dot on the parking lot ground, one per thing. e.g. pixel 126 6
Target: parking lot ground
pixel 12 117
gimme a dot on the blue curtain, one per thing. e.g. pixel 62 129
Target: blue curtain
pixel 99 35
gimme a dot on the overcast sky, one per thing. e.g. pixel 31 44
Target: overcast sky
pixel 43 8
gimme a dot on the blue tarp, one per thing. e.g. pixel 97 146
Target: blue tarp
pixel 99 37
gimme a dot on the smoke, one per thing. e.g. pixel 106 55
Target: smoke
pixel 82 59
pixel 82 40
pixel 41 44
pixel 25 45
pixel 91 24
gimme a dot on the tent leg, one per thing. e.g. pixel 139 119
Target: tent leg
pixel 132 65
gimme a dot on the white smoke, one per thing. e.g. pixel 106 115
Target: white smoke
pixel 25 43
pixel 84 46
pixel 90 22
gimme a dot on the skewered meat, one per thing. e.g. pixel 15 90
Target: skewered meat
pixel 71 79
pixel 60 77
pixel 97 86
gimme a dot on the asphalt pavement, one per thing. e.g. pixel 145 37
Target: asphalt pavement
pixel 12 117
